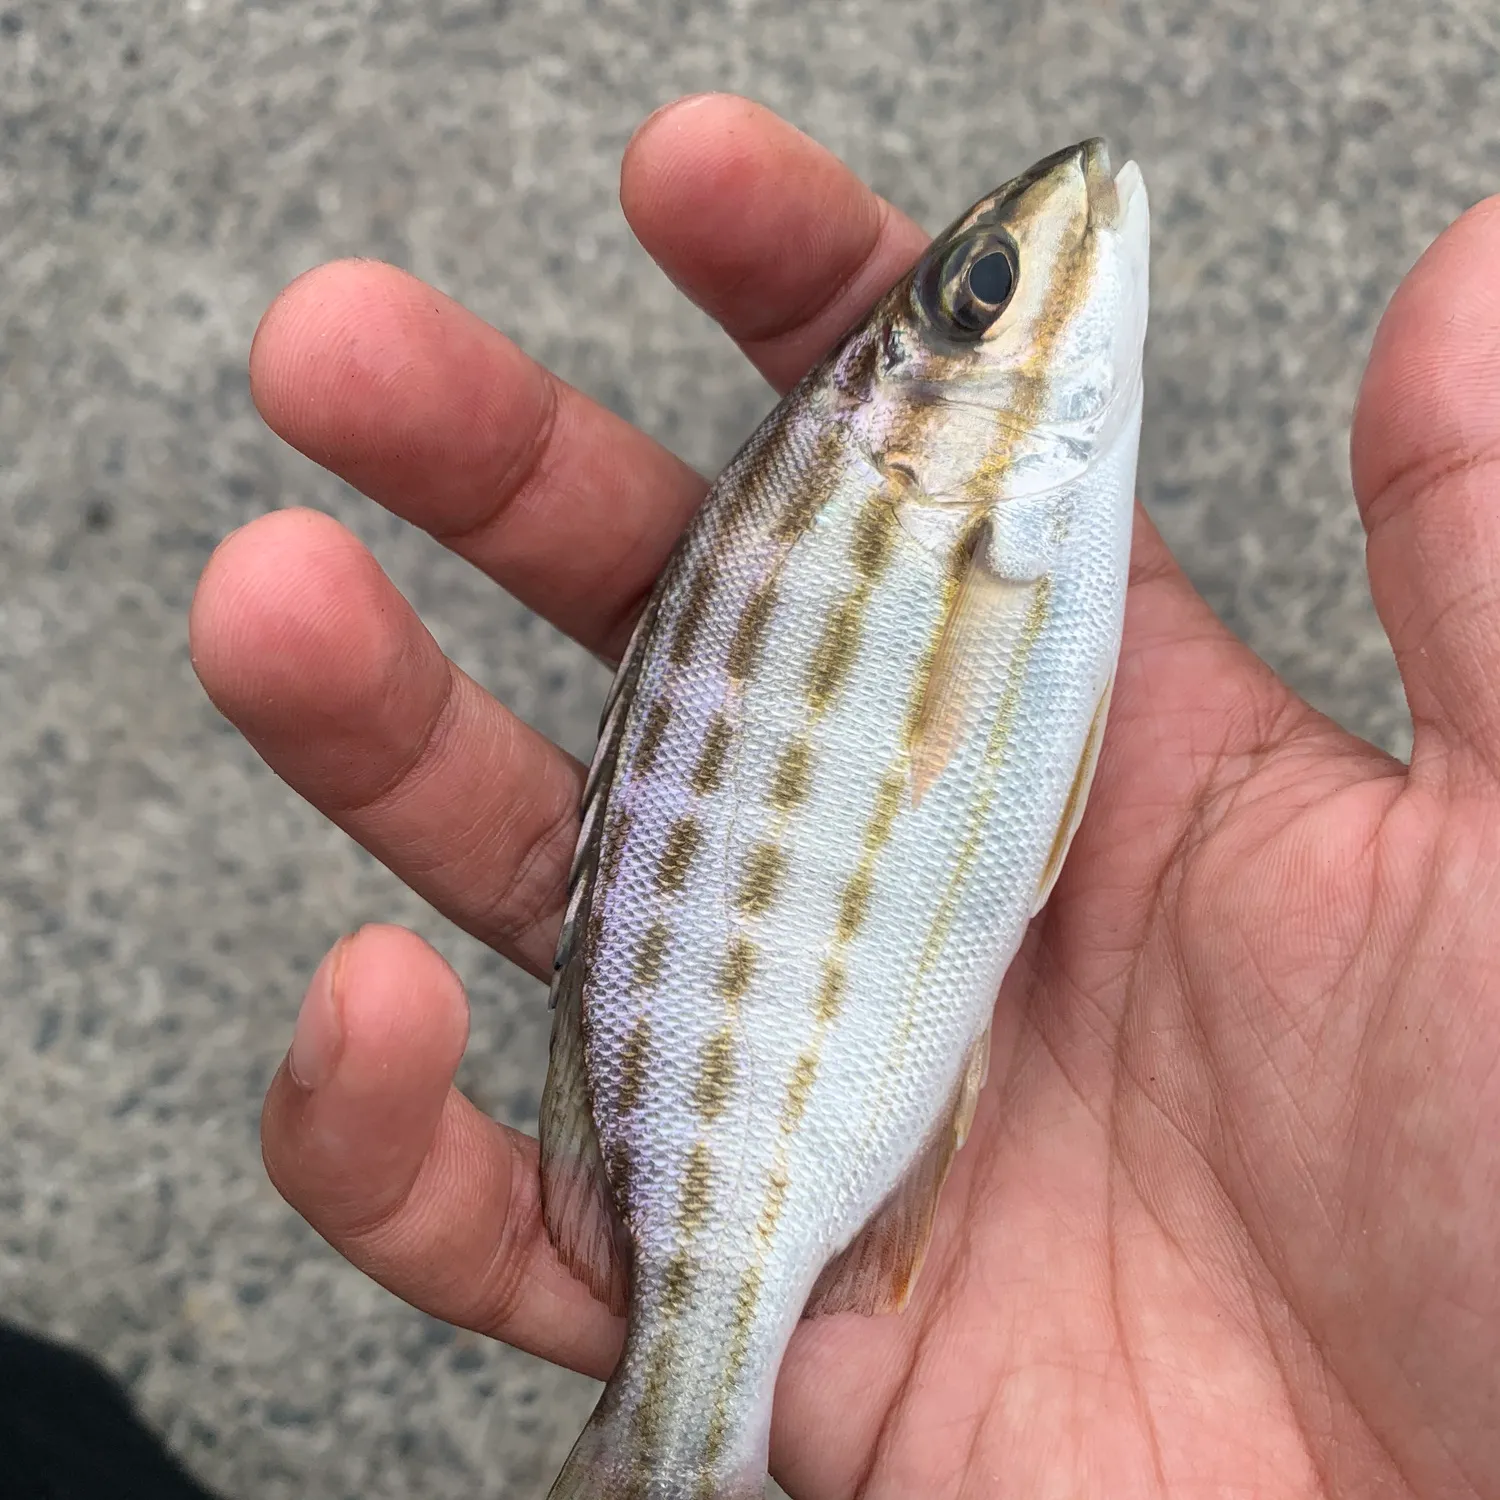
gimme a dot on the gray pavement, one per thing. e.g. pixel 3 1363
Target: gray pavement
pixel 165 167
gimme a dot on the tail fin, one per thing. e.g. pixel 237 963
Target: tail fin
pixel 607 1463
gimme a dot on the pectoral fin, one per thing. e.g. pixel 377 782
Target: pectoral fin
pixel 877 1271
pixel 972 631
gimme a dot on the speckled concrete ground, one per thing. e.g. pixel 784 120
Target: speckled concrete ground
pixel 164 168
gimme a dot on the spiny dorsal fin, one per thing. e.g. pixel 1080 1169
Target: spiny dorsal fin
pixel 878 1269
pixel 595 789
pixel 578 1203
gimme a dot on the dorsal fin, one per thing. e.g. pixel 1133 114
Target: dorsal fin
pixel 878 1269
pixel 595 790
pixel 578 1203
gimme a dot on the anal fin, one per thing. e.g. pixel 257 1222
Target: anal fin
pixel 876 1272
pixel 1078 796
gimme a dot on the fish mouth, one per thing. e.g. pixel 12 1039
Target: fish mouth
pixel 1111 193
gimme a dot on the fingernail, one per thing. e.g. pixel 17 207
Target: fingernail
pixel 320 1029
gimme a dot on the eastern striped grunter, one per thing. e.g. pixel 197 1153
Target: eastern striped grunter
pixel 837 774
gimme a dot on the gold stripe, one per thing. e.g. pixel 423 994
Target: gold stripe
pixel 684 839
pixel 887 804
pixel 621 1172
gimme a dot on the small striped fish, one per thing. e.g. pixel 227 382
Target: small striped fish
pixel 837 774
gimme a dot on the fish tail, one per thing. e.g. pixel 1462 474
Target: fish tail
pixel 608 1463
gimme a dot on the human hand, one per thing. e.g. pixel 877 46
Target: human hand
pixel 1227 1218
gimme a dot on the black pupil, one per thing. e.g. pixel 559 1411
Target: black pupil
pixel 991 278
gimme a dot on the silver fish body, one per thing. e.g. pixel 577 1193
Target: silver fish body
pixel 838 772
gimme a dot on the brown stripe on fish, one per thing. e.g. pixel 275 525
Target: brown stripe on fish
pixel 619 1172
pixel 871 543
pixel 830 996
pixel 746 1301
pixel 913 725
pixel 770 1214
pixel 919 710
pixel 689 623
pixel 708 774
pixel 738 967
pixel 677 1284
pixel 750 632
pixel 799 1090
pixel 658 718
pixel 693 1206
pixel 649 953
pixel 887 804
pixel 615 836
pixel 654 1405
pixel 633 1065
pixel 874 538
pixel 818 484
pixel 792 778
pixel 715 1076
pixel 854 903
pixel 760 883
pixel 684 839
pixel 834 656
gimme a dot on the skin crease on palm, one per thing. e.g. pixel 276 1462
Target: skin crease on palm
pixel 1227 1222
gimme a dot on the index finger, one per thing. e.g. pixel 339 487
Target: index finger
pixel 445 422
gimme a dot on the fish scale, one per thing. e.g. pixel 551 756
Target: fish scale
pixel 839 769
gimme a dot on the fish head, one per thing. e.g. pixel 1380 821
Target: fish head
pixel 1012 351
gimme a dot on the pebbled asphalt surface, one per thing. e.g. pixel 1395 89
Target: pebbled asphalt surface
pixel 165 167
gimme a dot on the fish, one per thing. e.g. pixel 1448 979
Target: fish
pixel 838 772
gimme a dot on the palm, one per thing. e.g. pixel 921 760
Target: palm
pixel 1202 1237
pixel 1226 1220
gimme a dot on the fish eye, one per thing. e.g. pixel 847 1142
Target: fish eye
pixel 991 279
pixel 965 290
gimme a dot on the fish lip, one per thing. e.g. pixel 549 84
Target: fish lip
pixel 1110 191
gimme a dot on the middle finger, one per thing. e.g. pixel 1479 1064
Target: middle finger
pixel 445 422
